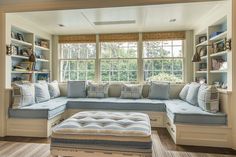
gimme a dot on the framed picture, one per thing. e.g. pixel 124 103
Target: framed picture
pixel 20 36
pixel 13 35
pixel 44 43
pixel 14 50
pixel 24 52
pixel 202 39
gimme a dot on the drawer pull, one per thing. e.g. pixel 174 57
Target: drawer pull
pixel 168 123
pixel 153 120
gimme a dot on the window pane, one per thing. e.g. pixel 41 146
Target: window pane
pixel 167 65
pixel 73 75
pixel 167 51
pixel 73 65
pixel 119 49
pixel 177 42
pixel 105 75
pixel 178 64
pixel 177 51
pixel 152 49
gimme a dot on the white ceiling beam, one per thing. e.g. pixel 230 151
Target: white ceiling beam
pixel 43 5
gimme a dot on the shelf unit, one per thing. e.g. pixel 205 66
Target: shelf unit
pixel 23 41
pixel 215 34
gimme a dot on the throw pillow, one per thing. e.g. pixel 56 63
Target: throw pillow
pixel 97 90
pixel 41 92
pixel 54 89
pixel 76 89
pixel 23 95
pixel 159 90
pixel 193 93
pixel 183 93
pixel 208 98
pixel 131 91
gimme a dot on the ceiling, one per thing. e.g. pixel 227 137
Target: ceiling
pixel 123 19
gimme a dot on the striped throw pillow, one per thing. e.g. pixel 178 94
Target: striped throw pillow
pixel 208 98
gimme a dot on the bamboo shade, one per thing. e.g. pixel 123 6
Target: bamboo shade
pixel 164 36
pixel 77 38
pixel 121 37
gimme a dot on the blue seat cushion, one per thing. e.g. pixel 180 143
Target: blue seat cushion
pixel 116 104
pixel 182 112
pixel 44 110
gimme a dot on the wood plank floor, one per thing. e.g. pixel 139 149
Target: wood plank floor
pixel 163 147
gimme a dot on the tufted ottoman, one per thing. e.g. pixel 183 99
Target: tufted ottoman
pixel 98 133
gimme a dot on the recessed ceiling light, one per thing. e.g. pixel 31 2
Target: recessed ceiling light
pixel 172 20
pixel 61 25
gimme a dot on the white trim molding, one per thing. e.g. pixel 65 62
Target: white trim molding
pixel 2 72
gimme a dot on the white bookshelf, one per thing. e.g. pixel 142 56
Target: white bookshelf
pixel 41 49
pixel 209 74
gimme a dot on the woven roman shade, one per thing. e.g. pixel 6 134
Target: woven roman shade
pixel 77 38
pixel 180 35
pixel 120 37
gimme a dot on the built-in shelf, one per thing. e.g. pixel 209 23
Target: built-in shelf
pixel 218 71
pixel 201 72
pixel 19 56
pixel 218 37
pixel 20 42
pixel 202 43
pixel 225 91
pixel 219 54
pixel 204 57
pixel 42 60
pixel 41 72
pixel 41 48
pixel 21 72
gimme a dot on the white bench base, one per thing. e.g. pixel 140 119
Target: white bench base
pixel 32 127
pixel 198 135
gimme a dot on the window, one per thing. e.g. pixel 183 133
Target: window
pixel 118 61
pixel 163 60
pixel 78 61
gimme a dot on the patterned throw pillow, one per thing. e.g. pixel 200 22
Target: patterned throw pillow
pixel 41 92
pixel 159 90
pixel 183 93
pixel 208 98
pixel 192 96
pixel 97 90
pixel 54 89
pixel 23 95
pixel 131 91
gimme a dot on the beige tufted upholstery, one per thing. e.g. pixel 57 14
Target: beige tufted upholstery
pixel 115 90
pixel 106 123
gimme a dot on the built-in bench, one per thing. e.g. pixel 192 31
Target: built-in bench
pixel 175 114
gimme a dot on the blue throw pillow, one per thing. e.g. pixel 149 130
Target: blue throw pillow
pixel 159 91
pixel 76 89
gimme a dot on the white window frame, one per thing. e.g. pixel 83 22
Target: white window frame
pixel 140 61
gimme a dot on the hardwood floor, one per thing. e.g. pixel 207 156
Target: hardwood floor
pixel 163 147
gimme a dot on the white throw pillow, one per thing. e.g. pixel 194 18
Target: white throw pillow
pixel 41 92
pixel 54 90
pixel 23 95
pixel 192 95
pixel 183 93
pixel 131 91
